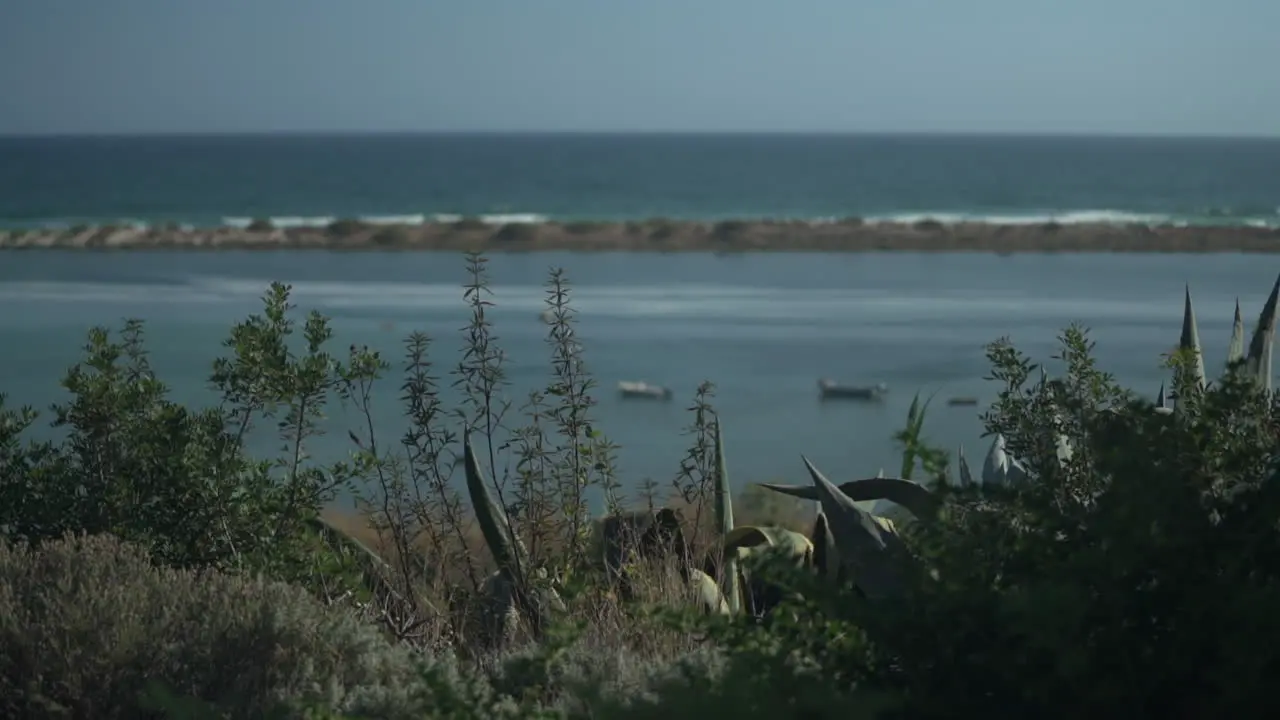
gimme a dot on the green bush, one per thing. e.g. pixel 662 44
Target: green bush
pixel 260 225
pixel 1131 563
pixel 87 624
pixel 1136 574
pixel 176 480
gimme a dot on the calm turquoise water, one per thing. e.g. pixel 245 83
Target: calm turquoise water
pixel 764 328
pixel 301 180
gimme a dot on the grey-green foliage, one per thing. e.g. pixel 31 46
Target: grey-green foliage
pixel 873 551
pixel 87 622
pixel 908 494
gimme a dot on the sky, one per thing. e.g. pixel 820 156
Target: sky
pixel 1165 67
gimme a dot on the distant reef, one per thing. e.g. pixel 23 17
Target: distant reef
pixel 662 235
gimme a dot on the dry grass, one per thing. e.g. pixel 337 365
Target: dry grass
pixel 612 627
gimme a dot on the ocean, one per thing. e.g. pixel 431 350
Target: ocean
pixel 298 180
pixel 764 328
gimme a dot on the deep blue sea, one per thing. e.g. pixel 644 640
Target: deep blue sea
pixel 764 328
pixel 313 179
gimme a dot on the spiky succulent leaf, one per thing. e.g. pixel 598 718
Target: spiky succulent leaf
pixel 707 593
pixel 1190 340
pixel 493 521
pixel 724 521
pixel 1258 361
pixel 820 538
pixel 999 469
pixel 789 542
pixel 1235 350
pixel 911 495
pixel 962 463
pixel 862 542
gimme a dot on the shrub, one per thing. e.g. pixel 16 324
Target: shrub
pixel 1137 569
pixel 87 624
pixel 177 480
pixel 260 225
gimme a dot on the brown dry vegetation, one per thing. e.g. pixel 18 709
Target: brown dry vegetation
pixel 666 235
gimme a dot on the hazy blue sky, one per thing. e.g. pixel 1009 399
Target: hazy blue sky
pixel 1122 66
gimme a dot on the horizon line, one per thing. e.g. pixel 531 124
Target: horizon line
pixel 631 133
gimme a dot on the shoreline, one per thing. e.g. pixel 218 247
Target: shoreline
pixel 663 235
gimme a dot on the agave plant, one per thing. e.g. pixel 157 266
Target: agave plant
pixel 867 546
pixel 755 596
pixel 376 574
pixel 737 591
pixel 1256 361
pixel 510 592
pixel 638 535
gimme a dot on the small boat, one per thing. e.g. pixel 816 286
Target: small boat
pixel 831 390
pixel 963 401
pixel 643 390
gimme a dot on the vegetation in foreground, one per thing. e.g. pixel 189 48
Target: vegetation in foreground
pixel 1112 554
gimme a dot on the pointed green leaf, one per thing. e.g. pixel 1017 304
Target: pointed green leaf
pixel 1235 350
pixel 911 495
pixel 820 538
pixel 492 519
pixel 1190 340
pixel 707 594
pixel 966 474
pixel 860 540
pixel 1258 361
pixel 724 521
